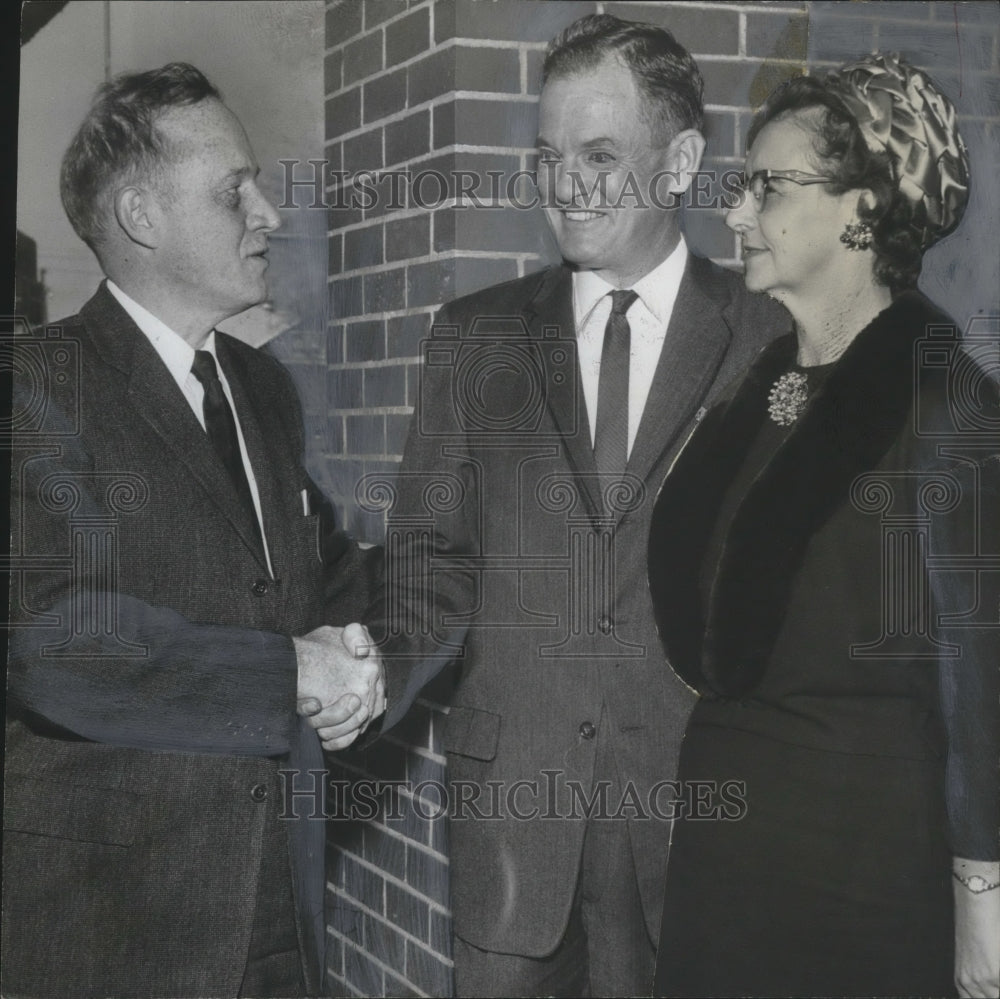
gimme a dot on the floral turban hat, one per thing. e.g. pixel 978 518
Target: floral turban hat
pixel 899 111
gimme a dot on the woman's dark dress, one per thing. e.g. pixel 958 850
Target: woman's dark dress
pixel 773 553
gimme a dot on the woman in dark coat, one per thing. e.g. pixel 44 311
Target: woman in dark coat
pixel 825 566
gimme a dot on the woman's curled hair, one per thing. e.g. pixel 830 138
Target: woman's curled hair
pixel 845 155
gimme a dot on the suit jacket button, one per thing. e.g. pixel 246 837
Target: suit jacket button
pixel 605 624
pixel 259 792
pixel 259 587
pixel 587 730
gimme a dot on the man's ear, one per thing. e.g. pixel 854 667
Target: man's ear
pixel 138 215
pixel 683 157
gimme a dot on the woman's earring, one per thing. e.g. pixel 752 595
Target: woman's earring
pixel 857 236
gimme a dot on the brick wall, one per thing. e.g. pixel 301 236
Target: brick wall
pixel 438 86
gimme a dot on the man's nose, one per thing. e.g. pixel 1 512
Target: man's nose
pixel 262 214
pixel 574 187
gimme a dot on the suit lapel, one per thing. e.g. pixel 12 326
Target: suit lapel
pixel 693 350
pixel 263 460
pixel 695 345
pixel 848 427
pixel 158 401
pixel 692 495
pixel 549 315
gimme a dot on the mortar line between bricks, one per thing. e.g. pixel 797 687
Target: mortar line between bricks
pixel 404 214
pixel 379 963
pixel 347 985
pixel 407 213
pixel 489 43
pixel 426 818
pixel 371 411
pixel 432 102
pixel 435 48
pixel 420 751
pixel 364 33
pixel 404 933
pixel 354 945
pixel 444 709
pixel 433 154
pixel 426 259
pixel 444 959
pixel 339 459
pixel 371 457
pixel 390 878
pixel 387 362
pixel 399 882
pixel 741 43
pixel 430 851
pixel 413 310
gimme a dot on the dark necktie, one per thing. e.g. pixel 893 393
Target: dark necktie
pixel 611 434
pixel 220 425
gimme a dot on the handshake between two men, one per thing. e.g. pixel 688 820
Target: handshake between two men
pixel 341 683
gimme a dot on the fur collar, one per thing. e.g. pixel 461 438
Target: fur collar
pixel 856 416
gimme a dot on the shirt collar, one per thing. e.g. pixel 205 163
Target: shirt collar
pixel 175 352
pixel 657 290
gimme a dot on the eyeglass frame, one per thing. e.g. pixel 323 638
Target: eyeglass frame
pixel 799 177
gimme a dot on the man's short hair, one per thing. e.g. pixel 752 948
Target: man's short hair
pixel 119 140
pixel 663 69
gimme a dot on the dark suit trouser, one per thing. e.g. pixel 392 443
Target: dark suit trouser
pixel 606 949
pixel 274 962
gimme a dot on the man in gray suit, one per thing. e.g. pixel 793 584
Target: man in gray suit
pixel 550 410
pixel 177 578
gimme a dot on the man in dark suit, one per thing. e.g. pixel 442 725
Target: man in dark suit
pixel 177 579
pixel 550 410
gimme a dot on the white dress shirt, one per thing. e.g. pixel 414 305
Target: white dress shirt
pixel 648 318
pixel 178 355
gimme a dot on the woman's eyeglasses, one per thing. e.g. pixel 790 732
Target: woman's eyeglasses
pixel 756 185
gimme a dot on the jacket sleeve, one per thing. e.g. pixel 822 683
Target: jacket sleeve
pixel 157 681
pixel 433 513
pixel 94 662
pixel 970 679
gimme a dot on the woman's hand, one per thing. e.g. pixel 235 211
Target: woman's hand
pixel 977 932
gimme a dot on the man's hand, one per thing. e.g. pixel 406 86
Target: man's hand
pixel 341 686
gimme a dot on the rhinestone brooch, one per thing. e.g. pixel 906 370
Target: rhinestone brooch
pixel 788 398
